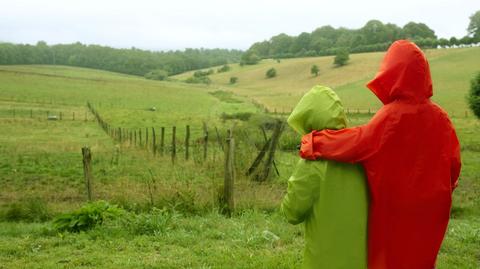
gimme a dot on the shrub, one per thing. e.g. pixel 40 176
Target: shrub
pixel 30 210
pixel 341 57
pixel 243 116
pixel 474 95
pixel 249 58
pixel 198 80
pixel 233 80
pixel 223 69
pixel 87 217
pixel 157 221
pixel 158 74
pixel 227 97
pixel 314 70
pixel 201 73
pixel 271 73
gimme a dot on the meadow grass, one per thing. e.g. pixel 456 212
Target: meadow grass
pixel 41 176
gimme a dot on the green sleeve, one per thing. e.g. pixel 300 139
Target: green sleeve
pixel 303 190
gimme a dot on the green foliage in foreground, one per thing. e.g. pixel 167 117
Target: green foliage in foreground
pixel 87 217
pixel 251 239
pixel 474 95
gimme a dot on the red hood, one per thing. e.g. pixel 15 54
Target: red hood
pixel 404 74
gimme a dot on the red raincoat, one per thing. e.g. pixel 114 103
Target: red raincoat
pixel 411 156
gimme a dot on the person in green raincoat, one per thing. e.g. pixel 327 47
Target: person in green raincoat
pixel 330 197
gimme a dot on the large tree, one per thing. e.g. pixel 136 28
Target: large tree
pixel 474 26
pixel 415 30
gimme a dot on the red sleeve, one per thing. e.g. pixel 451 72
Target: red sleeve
pixel 348 145
pixel 456 163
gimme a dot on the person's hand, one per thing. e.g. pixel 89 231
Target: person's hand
pixel 306 147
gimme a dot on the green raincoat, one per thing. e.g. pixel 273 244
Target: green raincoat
pixel 331 198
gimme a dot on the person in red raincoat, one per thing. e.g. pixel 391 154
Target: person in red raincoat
pixel 411 155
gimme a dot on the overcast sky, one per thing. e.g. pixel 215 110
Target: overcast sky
pixel 178 24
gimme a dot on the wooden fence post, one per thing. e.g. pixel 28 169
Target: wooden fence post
pixel 87 171
pixel 174 149
pixel 273 146
pixel 135 137
pixel 140 137
pixel 146 138
pixel 154 142
pixel 229 179
pixel 218 139
pixel 162 140
pixel 187 142
pixel 205 141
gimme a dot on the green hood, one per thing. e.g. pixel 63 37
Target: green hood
pixel 320 108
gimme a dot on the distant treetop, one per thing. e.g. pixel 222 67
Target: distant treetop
pixel 373 36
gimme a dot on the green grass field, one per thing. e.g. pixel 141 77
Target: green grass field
pixel 41 166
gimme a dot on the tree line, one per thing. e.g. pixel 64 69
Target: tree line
pixel 373 36
pixel 326 40
pixel 129 61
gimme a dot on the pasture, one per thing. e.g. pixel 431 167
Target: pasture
pixel 173 208
pixel 451 70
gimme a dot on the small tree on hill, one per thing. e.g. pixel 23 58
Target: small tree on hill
pixel 249 58
pixel 341 58
pixel 224 68
pixel 233 80
pixel 474 95
pixel 314 70
pixel 271 73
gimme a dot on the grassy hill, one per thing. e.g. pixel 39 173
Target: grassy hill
pixel 124 100
pixel 41 171
pixel 451 69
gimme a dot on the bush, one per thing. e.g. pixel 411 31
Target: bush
pixel 30 210
pixel 201 73
pixel 223 69
pixel 249 58
pixel 341 58
pixel 156 222
pixel 243 116
pixel 197 80
pixel 158 74
pixel 271 73
pixel 314 70
pixel 474 95
pixel 87 217
pixel 233 80
pixel 227 97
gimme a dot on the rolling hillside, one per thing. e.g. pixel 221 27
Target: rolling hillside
pixel 123 99
pixel 451 69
